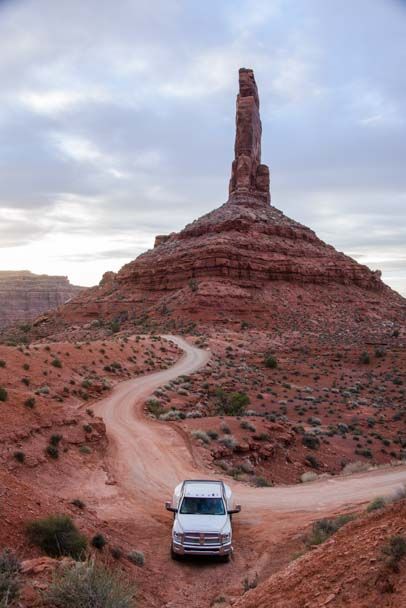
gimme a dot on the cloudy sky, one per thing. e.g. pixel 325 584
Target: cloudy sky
pixel 117 123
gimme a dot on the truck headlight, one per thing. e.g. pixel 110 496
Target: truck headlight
pixel 225 538
pixel 178 536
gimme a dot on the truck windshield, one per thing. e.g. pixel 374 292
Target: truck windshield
pixel 202 506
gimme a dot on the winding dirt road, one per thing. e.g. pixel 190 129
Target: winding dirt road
pixel 150 457
pixel 147 458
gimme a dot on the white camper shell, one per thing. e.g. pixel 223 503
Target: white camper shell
pixel 202 518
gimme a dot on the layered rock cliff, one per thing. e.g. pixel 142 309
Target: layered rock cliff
pixel 24 295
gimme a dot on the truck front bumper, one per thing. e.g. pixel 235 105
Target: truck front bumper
pixel 192 549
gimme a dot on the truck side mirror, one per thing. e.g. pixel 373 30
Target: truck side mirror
pixel 168 507
pixel 237 509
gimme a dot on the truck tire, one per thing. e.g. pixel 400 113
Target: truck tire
pixel 175 556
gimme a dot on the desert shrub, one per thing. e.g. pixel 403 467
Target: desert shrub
pixel 2 363
pixel 9 578
pixel 116 552
pixel 311 441
pixel 366 452
pixel 98 541
pixel 172 415
pixel 229 441
pixel 231 404
pixel 324 528
pixel 261 482
pixel 308 476
pixel 394 550
pixel 271 361
pixel 55 439
pixel 76 502
pixel 262 437
pixel 365 358
pixel 115 326
pixel 56 535
pixel 3 394
pixel 312 461
pixel 136 557
pixel 89 585
pixel 30 402
pixel 213 434
pixel 19 456
pixel 155 407
pixel 247 426
pixel 377 503
pixel 193 284
pixel 85 449
pixel 56 362
pixel 355 467
pixel 202 435
pixel 380 352
pixel 52 451
pixel 225 429
pixel 400 494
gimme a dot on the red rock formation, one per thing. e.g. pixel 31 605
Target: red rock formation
pixel 24 295
pixel 245 259
pixel 248 176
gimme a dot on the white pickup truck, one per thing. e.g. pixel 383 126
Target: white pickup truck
pixel 202 519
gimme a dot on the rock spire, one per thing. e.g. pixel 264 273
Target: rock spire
pixel 249 181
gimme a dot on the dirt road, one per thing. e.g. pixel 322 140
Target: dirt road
pixel 149 457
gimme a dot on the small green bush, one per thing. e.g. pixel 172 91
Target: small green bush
pixel 394 550
pixel 155 407
pixel 3 394
pixel 55 439
pixel 30 402
pixel 98 541
pixel 365 358
pixel 213 434
pixel 52 451
pixel 202 435
pixel 9 578
pixel 261 482
pixel 2 363
pixel 19 456
pixel 136 557
pixel 89 585
pixel 57 535
pixel 324 528
pixel 116 552
pixel 56 362
pixel 377 503
pixel 311 441
pixel 271 361
pixel 231 404
pixel 76 502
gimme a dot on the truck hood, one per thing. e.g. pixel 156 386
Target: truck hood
pixel 203 523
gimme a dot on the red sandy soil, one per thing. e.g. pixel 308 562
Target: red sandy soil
pixel 124 488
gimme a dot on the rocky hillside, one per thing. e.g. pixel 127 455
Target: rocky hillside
pixel 24 295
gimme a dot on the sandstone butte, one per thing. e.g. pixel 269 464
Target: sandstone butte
pixel 25 295
pixel 243 261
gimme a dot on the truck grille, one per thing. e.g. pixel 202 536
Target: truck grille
pixel 195 538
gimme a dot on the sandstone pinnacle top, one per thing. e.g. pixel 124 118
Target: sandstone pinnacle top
pixel 249 181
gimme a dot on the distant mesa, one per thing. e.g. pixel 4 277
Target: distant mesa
pixel 24 295
pixel 244 260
